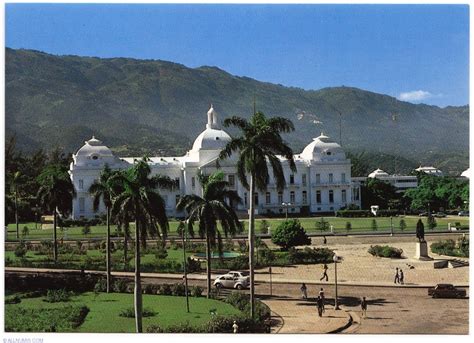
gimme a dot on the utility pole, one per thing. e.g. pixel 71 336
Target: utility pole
pixel 184 238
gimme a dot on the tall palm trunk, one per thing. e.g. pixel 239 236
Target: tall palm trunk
pixel 55 238
pixel 125 250
pixel 16 216
pixel 138 286
pixel 107 248
pixel 251 245
pixel 208 264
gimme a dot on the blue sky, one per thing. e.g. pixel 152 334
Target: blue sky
pixel 418 53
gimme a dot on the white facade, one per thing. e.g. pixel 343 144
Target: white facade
pixel 322 183
pixel 400 182
pixel 430 171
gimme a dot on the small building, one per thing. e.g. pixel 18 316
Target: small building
pixel 400 182
pixel 430 171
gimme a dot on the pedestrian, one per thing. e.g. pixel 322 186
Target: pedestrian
pixel 397 277
pixel 321 294
pixel 304 292
pixel 363 306
pixel 324 240
pixel 402 277
pixel 325 273
pixel 235 327
pixel 320 305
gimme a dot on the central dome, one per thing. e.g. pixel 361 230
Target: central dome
pixel 323 149
pixel 211 139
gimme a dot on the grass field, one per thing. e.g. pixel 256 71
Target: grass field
pixel 105 308
pixel 358 224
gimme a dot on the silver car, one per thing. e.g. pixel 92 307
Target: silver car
pixel 230 281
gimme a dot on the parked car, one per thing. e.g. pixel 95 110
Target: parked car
pixel 439 215
pixel 463 213
pixel 229 281
pixel 446 290
pixel 238 274
pixel 423 214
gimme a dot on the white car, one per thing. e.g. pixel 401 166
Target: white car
pixel 245 275
pixel 231 281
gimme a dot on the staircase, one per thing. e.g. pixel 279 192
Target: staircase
pixel 456 263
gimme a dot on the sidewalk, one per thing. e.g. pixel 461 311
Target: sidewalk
pixel 301 316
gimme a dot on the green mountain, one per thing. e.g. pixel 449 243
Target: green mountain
pixel 158 107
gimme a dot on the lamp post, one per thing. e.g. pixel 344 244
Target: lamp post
pixel 286 205
pixel 335 259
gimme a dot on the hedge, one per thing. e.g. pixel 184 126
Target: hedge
pixel 365 213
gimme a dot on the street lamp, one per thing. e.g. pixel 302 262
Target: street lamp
pixel 184 239
pixel 286 205
pixel 335 259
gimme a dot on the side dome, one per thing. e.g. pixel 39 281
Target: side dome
pixel 322 148
pixel 211 139
pixel 378 173
pixel 94 149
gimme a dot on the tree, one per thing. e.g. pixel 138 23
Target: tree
pixel 210 209
pixel 264 226
pixel 402 225
pixel 100 190
pixel 348 227
pixel 377 192
pixel 290 233
pixel 260 142
pixel 374 225
pixel 55 194
pixel 16 181
pixel 322 224
pixel 135 195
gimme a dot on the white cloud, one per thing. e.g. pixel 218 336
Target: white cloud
pixel 415 95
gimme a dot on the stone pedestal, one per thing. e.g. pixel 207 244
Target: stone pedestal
pixel 422 251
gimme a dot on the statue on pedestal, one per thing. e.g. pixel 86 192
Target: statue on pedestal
pixel 420 231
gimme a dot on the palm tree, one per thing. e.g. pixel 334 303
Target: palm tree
pixel 208 210
pixel 259 144
pixel 135 193
pixel 100 190
pixel 16 181
pixel 55 194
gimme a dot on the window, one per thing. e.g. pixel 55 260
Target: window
pixel 231 180
pixel 318 197
pixel 343 177
pixel 280 197
pixel 292 179
pixel 176 180
pixel 177 198
pixel 82 204
pixel 256 199
pixel 331 178
pixel 95 157
pixel 343 196
pixel 303 179
pixel 331 196
pixel 305 197
pixel 81 184
pixel 356 193
pixel 193 182
pixel 245 199
pixel 318 178
pixel 292 197
pixel 268 198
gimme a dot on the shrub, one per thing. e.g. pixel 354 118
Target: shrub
pixel 86 230
pixel 57 295
pixel 25 231
pixel 196 291
pixel 431 222
pixel 165 289
pixel 374 225
pixel 130 312
pixel 193 266
pixel 264 225
pixel 385 251
pixel 348 227
pixel 322 225
pixel 402 225
pixel 13 300
pixel 450 248
pixel 161 253
pixel 100 286
pixel 220 324
pixel 178 289
pixel 290 233
pixel 120 286
pixel 242 302
pixel 20 250
pixel 310 255
pixel 267 256
pixel 177 328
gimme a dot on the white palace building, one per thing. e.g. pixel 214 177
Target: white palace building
pixel 322 183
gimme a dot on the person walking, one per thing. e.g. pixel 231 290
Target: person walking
pixel 325 273
pixel 304 291
pixel 321 294
pixel 320 305
pixel 363 306
pixel 402 277
pixel 397 277
pixel 324 240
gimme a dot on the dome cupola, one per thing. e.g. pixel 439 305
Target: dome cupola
pixel 322 148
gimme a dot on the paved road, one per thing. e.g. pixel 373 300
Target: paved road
pixel 390 310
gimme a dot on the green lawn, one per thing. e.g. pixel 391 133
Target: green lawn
pixel 358 224
pixel 105 308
